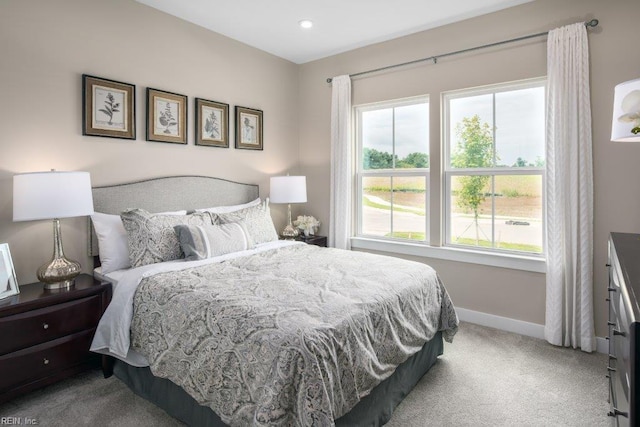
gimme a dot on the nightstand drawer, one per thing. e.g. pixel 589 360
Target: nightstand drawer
pixel 41 361
pixel 314 240
pixel 34 327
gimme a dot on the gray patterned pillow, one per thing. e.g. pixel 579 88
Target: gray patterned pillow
pixel 151 238
pixel 208 241
pixel 257 219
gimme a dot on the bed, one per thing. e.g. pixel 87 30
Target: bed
pixel 253 330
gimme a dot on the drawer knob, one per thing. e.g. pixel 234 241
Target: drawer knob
pixel 616 412
pixel 617 332
pixel 607 265
pixel 45 326
pixel 45 361
pixel 607 299
pixel 611 323
pixel 610 369
pixel 612 357
pixel 611 289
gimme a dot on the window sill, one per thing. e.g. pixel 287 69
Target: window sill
pixel 514 262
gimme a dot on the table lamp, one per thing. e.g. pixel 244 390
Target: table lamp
pixel 288 189
pixel 625 126
pixel 53 195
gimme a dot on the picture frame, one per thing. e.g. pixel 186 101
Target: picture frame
pixel 249 128
pixel 8 283
pixel 212 123
pixel 108 108
pixel 166 116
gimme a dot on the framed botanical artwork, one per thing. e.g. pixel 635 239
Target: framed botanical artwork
pixel 212 123
pixel 248 128
pixel 166 116
pixel 8 282
pixel 108 108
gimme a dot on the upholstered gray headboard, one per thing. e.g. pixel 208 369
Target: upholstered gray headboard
pixel 168 194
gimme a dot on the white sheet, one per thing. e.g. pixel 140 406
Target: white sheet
pixel 112 335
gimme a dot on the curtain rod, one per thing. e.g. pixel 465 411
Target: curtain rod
pixel 592 23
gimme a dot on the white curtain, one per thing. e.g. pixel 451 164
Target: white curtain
pixel 341 172
pixel 569 191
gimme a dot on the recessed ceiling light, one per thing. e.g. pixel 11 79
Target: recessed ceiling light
pixel 305 23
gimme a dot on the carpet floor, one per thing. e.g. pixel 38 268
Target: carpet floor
pixel 486 377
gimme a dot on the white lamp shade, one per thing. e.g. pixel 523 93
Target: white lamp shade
pixel 48 195
pixel 288 189
pixel 626 112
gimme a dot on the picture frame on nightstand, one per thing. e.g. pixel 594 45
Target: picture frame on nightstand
pixel 8 283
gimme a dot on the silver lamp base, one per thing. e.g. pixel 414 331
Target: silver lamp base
pixel 60 272
pixel 289 232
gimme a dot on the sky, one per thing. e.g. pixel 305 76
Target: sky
pixel 519 124
pixel 412 133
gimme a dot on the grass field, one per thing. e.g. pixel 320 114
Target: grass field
pixel 500 245
pixel 471 242
pixel 408 191
pixel 518 196
pixel 513 198
pixel 505 185
pixel 367 202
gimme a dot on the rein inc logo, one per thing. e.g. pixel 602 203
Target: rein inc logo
pixel 18 421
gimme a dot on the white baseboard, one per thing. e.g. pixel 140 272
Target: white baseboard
pixel 513 325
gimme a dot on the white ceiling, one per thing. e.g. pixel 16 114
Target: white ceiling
pixel 339 25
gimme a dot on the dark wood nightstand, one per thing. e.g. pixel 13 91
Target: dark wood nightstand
pixel 313 240
pixel 45 335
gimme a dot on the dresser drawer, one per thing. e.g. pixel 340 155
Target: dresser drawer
pixel 38 326
pixel 620 348
pixel 41 361
pixel 618 402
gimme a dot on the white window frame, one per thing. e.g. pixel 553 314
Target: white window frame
pixel 449 172
pixel 432 250
pixel 394 172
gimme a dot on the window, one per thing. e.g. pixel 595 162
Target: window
pixel 393 169
pixel 494 141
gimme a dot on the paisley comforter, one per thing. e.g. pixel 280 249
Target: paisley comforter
pixel 291 336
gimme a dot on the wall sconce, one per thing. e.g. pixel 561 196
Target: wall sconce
pixel 625 126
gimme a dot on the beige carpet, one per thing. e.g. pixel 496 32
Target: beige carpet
pixel 485 378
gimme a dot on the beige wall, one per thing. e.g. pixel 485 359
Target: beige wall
pixel 503 292
pixel 46 46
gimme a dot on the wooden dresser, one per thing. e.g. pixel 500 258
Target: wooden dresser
pixel 45 335
pixel 624 315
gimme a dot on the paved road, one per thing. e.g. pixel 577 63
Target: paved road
pixel 377 222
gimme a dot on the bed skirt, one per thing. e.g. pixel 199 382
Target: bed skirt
pixel 373 410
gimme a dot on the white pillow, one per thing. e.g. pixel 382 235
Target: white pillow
pixel 257 220
pixel 112 241
pixel 232 208
pixel 208 241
